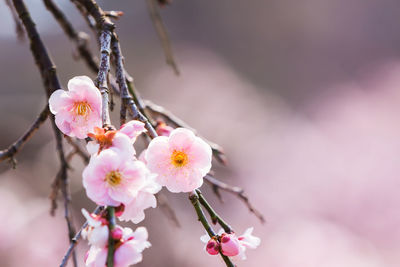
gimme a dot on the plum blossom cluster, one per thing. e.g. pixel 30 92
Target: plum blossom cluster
pixel 117 179
pixel 231 245
pixel 128 244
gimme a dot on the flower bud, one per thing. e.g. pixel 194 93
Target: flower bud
pixel 116 233
pixel 163 129
pixel 119 210
pixel 212 247
pixel 230 245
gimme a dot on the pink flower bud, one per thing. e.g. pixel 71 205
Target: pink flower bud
pixel 119 210
pixel 230 245
pixel 116 233
pixel 163 129
pixel 212 247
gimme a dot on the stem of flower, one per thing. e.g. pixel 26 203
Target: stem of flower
pixel 111 226
pixel 76 238
pixel 194 198
pixel 215 218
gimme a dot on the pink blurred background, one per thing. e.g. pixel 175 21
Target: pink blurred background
pixel 303 95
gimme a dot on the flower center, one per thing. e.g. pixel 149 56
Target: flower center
pixel 82 108
pixel 113 178
pixel 179 158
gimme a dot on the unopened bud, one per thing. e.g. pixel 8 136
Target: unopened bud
pixel 230 245
pixel 212 247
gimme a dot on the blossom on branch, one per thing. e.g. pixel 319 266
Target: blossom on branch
pixel 122 139
pixel 78 110
pixel 115 140
pixel 133 129
pixel 180 160
pixel 134 210
pixel 111 179
pixel 97 230
pixel 128 249
pixel 231 245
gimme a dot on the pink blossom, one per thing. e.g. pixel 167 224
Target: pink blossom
pixel 96 256
pixel 132 245
pixel 134 210
pixel 110 179
pixel 133 129
pixel 128 248
pixel 78 110
pixel 110 140
pixel 122 139
pixel 213 247
pixel 248 240
pixel 163 129
pixel 117 233
pixel 97 231
pixel 180 160
pixel 230 245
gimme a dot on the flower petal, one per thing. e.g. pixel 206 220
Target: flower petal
pixel 59 100
pixel 181 139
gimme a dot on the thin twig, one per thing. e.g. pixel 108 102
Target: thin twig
pixel 63 176
pixel 195 200
pixel 111 227
pixel 14 148
pixel 215 218
pixel 170 118
pixel 126 98
pixel 80 39
pixel 105 27
pixel 237 191
pixel 55 189
pixel 78 149
pixel 129 80
pixel 162 202
pixel 105 41
pixel 87 17
pixel 162 34
pixel 75 239
pixel 19 29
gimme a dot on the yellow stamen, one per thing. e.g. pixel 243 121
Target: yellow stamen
pixel 82 108
pixel 179 158
pixel 113 178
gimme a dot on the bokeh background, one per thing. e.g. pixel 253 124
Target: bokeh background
pixel 303 95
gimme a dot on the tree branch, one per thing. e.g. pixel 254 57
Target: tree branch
pixel 237 191
pixel 78 149
pixel 215 218
pixel 14 148
pixel 126 98
pixel 162 33
pixel 111 227
pixel 19 29
pixel 162 202
pixel 80 39
pixel 105 27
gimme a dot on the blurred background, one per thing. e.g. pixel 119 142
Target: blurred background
pixel 303 95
